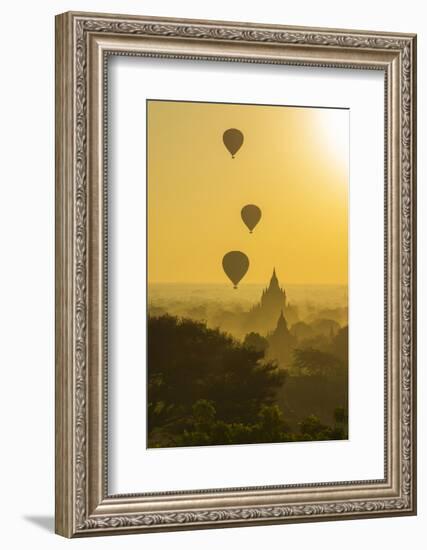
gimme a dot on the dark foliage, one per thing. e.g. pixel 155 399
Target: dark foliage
pixel 256 341
pixel 187 362
pixel 312 361
pixel 205 388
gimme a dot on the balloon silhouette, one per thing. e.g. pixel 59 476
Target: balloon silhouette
pixel 251 215
pixel 235 265
pixel 233 140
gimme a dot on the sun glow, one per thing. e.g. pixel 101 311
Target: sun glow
pixel 293 165
pixel 333 128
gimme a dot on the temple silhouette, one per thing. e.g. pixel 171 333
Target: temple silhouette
pixel 272 299
pixel 281 342
pixel 263 317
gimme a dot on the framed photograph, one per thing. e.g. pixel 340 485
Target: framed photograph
pixel 235 274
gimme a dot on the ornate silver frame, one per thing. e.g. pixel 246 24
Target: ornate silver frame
pixel 83 42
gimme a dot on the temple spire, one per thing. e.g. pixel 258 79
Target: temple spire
pixel 274 282
pixel 273 299
pixel 281 323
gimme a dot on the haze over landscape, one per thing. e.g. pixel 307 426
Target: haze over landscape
pixel 264 357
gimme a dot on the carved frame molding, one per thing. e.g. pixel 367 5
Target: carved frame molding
pixel 83 43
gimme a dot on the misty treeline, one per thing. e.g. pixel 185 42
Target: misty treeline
pixel 307 320
pixel 207 388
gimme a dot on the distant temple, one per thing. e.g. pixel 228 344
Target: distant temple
pixel 281 342
pixel 263 317
pixel 272 297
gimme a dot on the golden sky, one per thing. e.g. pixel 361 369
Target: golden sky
pixel 293 165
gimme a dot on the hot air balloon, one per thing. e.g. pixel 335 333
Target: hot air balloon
pixel 235 265
pixel 251 215
pixel 233 140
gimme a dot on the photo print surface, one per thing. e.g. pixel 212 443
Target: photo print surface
pixel 247 273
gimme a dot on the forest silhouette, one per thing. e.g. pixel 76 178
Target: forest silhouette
pixel 207 388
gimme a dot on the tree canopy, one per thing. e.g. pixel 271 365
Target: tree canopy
pixel 189 363
pixel 206 388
